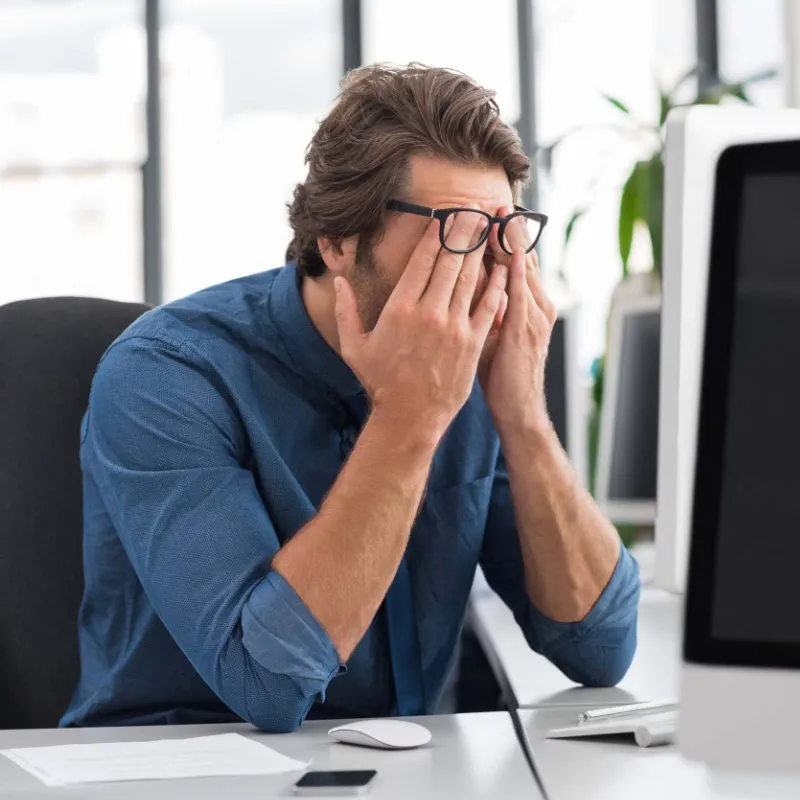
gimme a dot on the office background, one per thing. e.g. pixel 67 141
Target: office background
pixel 147 149
pixel 116 185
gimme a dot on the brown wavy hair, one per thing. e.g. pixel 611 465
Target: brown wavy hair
pixel 358 158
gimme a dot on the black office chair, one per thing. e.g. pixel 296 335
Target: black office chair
pixel 49 350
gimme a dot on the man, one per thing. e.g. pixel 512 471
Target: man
pixel 291 478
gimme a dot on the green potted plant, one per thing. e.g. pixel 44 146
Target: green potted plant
pixel 641 210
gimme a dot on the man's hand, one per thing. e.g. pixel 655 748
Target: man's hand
pixel 419 363
pixel 418 366
pixel 512 364
pixel 569 550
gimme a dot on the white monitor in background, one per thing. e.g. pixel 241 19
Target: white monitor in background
pixel 562 385
pixel 695 138
pixel 628 442
pixel 741 677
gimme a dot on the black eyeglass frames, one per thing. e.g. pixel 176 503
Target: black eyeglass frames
pixel 520 229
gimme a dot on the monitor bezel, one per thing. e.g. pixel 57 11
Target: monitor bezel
pixel 700 646
pixel 620 510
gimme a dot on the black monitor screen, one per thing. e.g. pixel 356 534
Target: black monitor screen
pixel 555 380
pixel 758 552
pixel 744 593
pixel 634 450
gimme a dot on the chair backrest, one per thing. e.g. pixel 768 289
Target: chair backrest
pixel 49 351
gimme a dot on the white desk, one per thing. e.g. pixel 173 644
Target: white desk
pixel 619 770
pixel 471 756
pixel 530 681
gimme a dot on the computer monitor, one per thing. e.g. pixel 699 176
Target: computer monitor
pixel 563 390
pixel 628 442
pixel 741 678
pixel 695 138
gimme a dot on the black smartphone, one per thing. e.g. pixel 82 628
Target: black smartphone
pixel 343 782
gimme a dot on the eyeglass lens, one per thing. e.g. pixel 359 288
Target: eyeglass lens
pixel 521 231
pixel 464 230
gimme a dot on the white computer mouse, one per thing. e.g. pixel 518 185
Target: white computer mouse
pixel 385 734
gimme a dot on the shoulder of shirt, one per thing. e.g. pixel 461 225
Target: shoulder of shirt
pixel 226 311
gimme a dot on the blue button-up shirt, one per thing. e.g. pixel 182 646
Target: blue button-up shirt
pixel 216 424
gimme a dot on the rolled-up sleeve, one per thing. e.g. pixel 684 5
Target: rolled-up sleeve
pixel 597 650
pixel 163 442
pixel 282 635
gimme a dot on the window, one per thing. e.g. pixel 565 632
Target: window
pixel 71 146
pixel 243 85
pixel 470 35
pixel 751 41
pixel 584 49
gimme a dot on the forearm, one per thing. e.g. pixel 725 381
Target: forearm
pixel 569 549
pixel 342 562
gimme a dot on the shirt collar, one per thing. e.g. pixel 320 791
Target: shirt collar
pixel 310 355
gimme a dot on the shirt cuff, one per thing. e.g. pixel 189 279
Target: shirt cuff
pixel 285 638
pixel 616 608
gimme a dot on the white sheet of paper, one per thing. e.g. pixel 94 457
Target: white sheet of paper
pixel 198 757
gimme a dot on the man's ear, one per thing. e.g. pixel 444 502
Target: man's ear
pixel 339 256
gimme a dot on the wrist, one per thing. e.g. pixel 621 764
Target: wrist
pixel 533 431
pixel 402 435
pixel 531 423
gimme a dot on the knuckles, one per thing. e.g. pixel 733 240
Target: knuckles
pixel 462 335
pixel 550 312
pixel 400 308
pixel 433 319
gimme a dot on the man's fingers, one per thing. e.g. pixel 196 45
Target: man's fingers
pixel 517 311
pixel 465 231
pixel 501 313
pixel 415 277
pixel 536 286
pixel 487 310
pixel 348 322
pixel 464 292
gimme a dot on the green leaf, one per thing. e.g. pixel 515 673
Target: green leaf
pixel 627 533
pixel 593 438
pixel 757 77
pixel 717 93
pixel 665 106
pixel 737 90
pixel 731 90
pixel 629 212
pixel 705 100
pixel 571 224
pixel 745 98
pixel 618 104
pixel 599 376
pixel 654 214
